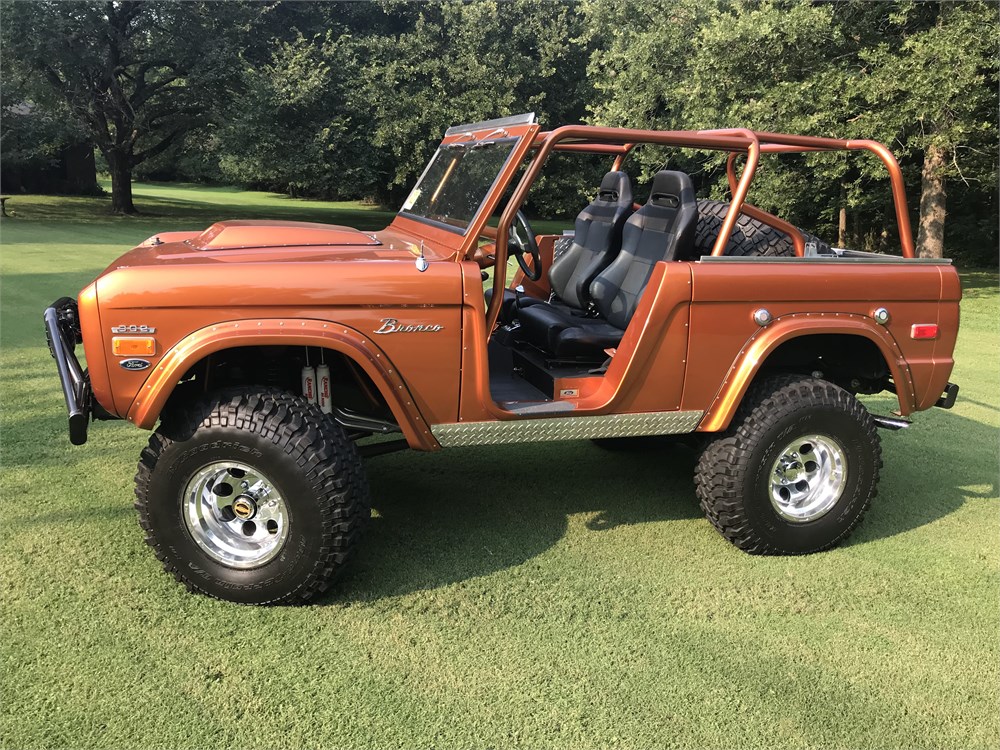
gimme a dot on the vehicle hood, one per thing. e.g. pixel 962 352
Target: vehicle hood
pixel 267 242
pixel 236 235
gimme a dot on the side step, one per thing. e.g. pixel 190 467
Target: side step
pixel 566 428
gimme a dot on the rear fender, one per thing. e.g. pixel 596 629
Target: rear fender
pixel 153 395
pixel 757 349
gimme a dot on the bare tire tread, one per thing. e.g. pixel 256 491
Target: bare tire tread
pixel 750 237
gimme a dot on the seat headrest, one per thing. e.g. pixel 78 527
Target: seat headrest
pixel 670 189
pixel 615 188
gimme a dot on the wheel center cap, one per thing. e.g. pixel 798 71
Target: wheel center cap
pixel 790 470
pixel 244 507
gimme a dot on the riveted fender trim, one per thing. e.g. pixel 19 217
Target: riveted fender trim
pixel 782 329
pixel 153 395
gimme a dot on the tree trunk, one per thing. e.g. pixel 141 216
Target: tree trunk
pixel 930 236
pixel 121 185
pixel 842 217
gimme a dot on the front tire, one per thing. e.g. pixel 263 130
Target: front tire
pixel 796 470
pixel 252 497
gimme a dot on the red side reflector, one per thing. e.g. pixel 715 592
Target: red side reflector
pixel 924 331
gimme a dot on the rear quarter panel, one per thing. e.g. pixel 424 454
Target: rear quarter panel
pixel 726 294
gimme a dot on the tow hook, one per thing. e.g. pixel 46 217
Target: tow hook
pixel 892 423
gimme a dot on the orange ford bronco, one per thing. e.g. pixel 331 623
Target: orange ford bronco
pixel 276 356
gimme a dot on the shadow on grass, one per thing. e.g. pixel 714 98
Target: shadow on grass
pixel 452 516
pixel 466 512
pixel 980 284
pixel 929 471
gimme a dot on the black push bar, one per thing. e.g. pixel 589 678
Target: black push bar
pixel 75 384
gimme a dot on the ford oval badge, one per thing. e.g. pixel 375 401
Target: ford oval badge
pixel 134 364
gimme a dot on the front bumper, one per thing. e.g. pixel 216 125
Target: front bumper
pixel 62 329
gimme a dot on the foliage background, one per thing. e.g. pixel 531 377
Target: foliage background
pixel 346 100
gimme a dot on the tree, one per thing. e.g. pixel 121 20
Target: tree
pixel 779 67
pixel 456 62
pixel 930 82
pixel 348 100
pixel 920 77
pixel 295 131
pixel 35 133
pixel 304 122
pixel 139 76
pixel 640 63
pixel 697 65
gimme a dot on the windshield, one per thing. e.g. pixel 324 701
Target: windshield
pixel 457 180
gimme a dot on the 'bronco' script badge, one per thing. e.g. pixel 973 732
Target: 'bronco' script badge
pixel 391 325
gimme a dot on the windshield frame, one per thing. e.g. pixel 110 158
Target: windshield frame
pixel 448 147
pixel 446 243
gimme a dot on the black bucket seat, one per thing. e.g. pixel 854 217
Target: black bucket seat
pixel 663 229
pixel 596 242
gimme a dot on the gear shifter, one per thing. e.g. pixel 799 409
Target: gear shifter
pixel 519 293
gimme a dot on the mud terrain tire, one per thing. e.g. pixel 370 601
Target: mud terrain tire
pixel 196 463
pixel 749 237
pixel 746 478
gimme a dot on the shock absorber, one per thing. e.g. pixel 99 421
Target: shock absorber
pixel 309 380
pixel 323 384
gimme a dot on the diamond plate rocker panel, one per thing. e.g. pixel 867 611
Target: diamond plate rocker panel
pixel 566 428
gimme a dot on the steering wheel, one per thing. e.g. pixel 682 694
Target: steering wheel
pixel 521 241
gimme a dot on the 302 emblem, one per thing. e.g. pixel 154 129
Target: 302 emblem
pixel 134 364
pixel 133 329
pixel 391 325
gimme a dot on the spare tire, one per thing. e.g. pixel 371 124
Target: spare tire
pixel 749 237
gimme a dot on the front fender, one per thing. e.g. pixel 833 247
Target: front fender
pixel 757 349
pixel 149 402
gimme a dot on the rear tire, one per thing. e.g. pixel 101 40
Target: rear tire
pixel 796 470
pixel 749 236
pixel 252 497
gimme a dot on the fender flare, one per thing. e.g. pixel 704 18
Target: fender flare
pixel 149 402
pixel 760 346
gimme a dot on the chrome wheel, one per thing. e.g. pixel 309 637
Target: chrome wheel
pixel 808 478
pixel 235 514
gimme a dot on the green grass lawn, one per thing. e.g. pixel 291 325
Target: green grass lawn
pixel 550 595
